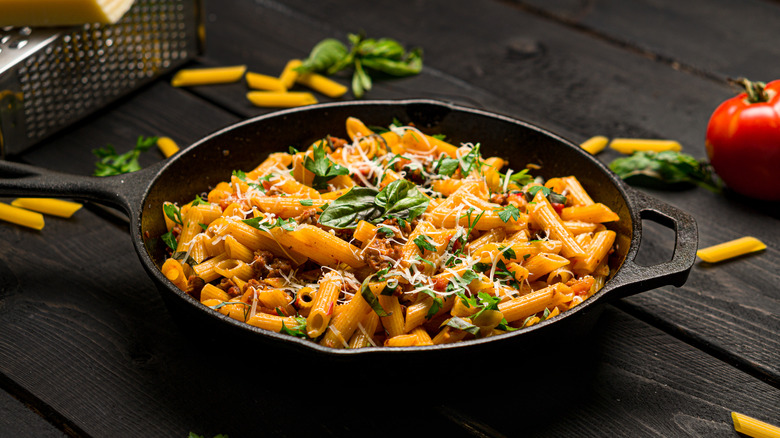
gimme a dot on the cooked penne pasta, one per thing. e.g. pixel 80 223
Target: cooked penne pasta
pixel 388 238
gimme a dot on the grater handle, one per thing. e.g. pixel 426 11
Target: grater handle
pixel 124 192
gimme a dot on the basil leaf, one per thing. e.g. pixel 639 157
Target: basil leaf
pixel 412 65
pixel 383 47
pixel 461 324
pixel 355 205
pixel 299 331
pixel 401 199
pixel 361 81
pixel 324 55
pixel 180 257
pixel 306 202
pixel 447 166
pixel 665 170
pixel 370 298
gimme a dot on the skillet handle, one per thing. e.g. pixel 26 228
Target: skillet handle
pixel 633 278
pixel 124 192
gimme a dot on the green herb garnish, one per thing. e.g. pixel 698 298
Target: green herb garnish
pixel 665 170
pixel 364 55
pixel 110 163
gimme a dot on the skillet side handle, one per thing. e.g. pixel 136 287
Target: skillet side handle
pixel 634 278
pixel 124 192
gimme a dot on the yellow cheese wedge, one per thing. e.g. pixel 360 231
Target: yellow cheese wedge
pixel 41 13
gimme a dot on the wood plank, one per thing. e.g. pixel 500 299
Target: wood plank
pixel 17 420
pixel 580 86
pixel 739 35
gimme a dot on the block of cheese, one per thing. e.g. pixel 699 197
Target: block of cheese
pixel 41 13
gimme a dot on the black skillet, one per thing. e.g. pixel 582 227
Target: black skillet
pixel 245 144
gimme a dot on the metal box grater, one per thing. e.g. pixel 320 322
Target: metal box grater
pixel 52 77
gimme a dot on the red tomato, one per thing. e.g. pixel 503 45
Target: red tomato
pixel 743 141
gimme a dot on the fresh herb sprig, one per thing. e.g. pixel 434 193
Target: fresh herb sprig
pixel 111 163
pixel 665 170
pixel 364 55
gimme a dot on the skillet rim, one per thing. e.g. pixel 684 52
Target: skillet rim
pixel 279 339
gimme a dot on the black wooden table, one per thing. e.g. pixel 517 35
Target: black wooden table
pixel 87 347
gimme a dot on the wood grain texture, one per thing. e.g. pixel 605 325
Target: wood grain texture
pixel 17 420
pixel 160 110
pixel 739 35
pixel 84 333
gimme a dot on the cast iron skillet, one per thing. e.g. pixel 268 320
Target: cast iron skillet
pixel 245 144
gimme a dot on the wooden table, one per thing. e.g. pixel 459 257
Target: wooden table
pixel 87 347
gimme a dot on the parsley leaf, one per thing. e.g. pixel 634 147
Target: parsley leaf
pixel 169 240
pixel 370 298
pixel 508 212
pixel 323 168
pixel 299 331
pixel 111 163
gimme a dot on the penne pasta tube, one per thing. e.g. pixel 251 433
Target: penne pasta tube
pixel 545 217
pixel 54 207
pixel 167 146
pixel 279 99
pixel 631 145
pixel 322 84
pixel 286 207
pixel 321 246
pixel 324 303
pixel 596 213
pixel 575 192
pixel 257 81
pixel 363 336
pixel 273 323
pixel 595 144
pixel 289 75
pixel 174 271
pixel 730 249
pixel 753 427
pixel 21 216
pixel 208 76
pixel 346 322
pixel 535 302
pixel 394 322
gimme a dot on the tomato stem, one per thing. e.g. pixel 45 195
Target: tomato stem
pixel 756 91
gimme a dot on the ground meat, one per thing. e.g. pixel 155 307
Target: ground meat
pixel 266 265
pixel 195 285
pixel 337 142
pixel 405 230
pixel 230 287
pixel 499 198
pixel 375 254
pixel 309 216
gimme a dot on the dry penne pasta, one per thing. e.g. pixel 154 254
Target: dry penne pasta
pixel 208 76
pixel 257 81
pixel 753 427
pixel 594 145
pixel 54 207
pixel 281 99
pixel 730 249
pixel 389 238
pixel 322 84
pixel 167 146
pixel 21 216
pixel 631 145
